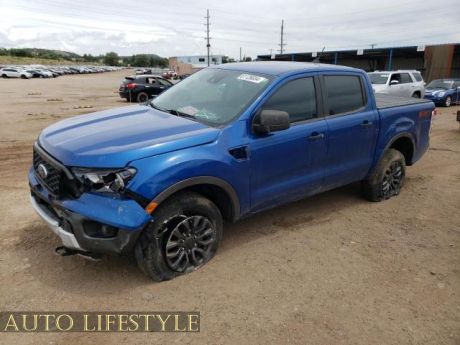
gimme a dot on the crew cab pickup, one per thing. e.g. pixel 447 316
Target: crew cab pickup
pixel 159 179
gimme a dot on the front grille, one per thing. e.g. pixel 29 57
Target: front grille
pixel 52 180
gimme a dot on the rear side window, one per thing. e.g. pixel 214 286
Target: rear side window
pixel 297 98
pixel 405 78
pixel 417 76
pixel 344 94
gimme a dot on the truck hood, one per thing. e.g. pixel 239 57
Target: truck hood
pixel 113 138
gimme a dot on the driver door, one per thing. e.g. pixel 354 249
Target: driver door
pixel 289 164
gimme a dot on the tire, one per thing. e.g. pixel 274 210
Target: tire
pixel 142 97
pixel 4 76
pixel 416 95
pixel 387 178
pixel 23 76
pixel 448 101
pixel 189 222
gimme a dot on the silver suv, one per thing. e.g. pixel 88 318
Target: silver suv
pixel 404 83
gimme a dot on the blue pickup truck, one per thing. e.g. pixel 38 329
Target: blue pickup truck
pixel 159 179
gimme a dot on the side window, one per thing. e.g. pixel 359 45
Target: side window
pixel 417 76
pixel 344 94
pixel 297 98
pixel 201 59
pixel 396 76
pixel 164 82
pixel 405 78
pixel 152 81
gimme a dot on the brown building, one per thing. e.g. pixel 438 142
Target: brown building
pixel 434 61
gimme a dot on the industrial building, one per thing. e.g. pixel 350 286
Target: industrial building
pixel 190 64
pixel 433 61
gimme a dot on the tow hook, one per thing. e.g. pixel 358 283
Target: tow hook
pixel 64 251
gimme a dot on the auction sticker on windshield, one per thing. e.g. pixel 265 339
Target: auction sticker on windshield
pixel 252 78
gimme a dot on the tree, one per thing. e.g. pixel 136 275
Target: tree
pixel 141 60
pixel 111 59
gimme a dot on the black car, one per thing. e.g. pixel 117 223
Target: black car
pixel 37 73
pixel 142 87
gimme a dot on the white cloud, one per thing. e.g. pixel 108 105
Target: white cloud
pixel 177 28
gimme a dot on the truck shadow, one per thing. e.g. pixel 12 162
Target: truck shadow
pixel 116 274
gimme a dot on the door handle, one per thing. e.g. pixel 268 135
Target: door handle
pixel 316 136
pixel 366 123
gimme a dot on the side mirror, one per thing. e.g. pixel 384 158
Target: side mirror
pixel 394 82
pixel 271 121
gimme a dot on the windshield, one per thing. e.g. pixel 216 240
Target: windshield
pixel 440 84
pixel 378 78
pixel 214 96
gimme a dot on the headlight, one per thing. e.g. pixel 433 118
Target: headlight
pixel 113 180
pixel 441 94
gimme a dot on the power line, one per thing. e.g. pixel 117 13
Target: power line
pixel 208 45
pixel 282 44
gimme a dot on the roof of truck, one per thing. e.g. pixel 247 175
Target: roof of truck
pixel 277 68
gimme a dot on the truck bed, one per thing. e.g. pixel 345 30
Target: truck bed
pixel 387 101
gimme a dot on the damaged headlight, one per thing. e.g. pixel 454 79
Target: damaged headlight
pixel 110 180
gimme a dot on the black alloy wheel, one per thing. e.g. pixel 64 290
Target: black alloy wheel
pixel 392 180
pixel 190 243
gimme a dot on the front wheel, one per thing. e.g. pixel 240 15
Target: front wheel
pixel 448 101
pixel 183 237
pixel 387 178
pixel 416 95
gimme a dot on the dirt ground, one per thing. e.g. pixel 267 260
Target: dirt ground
pixel 331 269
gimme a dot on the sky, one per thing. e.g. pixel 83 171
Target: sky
pixel 176 27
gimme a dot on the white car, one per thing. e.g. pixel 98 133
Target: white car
pixel 398 83
pixel 12 72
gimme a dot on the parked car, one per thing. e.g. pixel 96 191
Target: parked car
pixel 11 72
pixel 159 179
pixel 36 73
pixel 398 83
pixel 443 92
pixel 142 87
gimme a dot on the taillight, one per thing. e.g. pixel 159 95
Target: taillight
pixel 131 86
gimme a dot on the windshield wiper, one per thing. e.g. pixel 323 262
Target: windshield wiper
pixel 172 111
pixel 180 113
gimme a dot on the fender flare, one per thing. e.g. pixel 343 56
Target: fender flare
pixel 399 136
pixel 199 180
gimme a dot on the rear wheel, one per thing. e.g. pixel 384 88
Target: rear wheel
pixel 448 101
pixel 387 178
pixel 184 236
pixel 4 76
pixel 23 76
pixel 142 97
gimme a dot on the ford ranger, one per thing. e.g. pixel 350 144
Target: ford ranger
pixel 159 179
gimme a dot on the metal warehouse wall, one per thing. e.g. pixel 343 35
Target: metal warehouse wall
pixel 438 61
pixel 456 63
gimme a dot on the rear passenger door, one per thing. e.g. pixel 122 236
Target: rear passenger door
pixel 408 85
pixel 352 125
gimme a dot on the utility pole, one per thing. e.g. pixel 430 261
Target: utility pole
pixel 282 44
pixel 240 54
pixel 208 45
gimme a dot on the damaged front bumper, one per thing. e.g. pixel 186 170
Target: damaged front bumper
pixel 93 223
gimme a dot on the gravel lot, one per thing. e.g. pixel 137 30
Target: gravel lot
pixel 331 269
